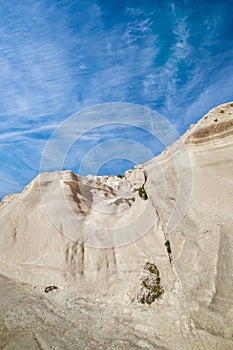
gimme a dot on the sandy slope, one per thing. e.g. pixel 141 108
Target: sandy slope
pixel 92 236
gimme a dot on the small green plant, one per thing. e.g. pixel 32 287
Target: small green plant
pixel 167 245
pixel 153 269
pixel 142 192
pixel 151 287
pixel 50 289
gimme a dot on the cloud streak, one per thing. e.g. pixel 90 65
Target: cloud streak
pixel 57 58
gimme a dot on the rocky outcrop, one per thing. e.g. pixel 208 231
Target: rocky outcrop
pixel 92 237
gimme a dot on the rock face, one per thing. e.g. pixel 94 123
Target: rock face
pixel 92 238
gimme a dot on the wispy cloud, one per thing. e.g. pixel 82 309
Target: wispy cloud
pixel 57 58
pixel 163 81
pixel 210 95
pixel 192 69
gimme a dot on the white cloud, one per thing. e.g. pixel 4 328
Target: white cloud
pixel 57 59
pixel 211 96
pixel 18 135
pixel 136 30
pixel 181 49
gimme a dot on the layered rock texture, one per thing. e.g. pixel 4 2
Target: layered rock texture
pixel 107 243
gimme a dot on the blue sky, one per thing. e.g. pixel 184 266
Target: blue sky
pixel 61 57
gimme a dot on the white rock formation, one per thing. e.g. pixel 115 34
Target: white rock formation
pixel 91 237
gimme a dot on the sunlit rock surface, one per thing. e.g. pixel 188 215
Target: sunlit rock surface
pixel 92 237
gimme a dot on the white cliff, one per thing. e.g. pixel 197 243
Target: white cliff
pixel 92 236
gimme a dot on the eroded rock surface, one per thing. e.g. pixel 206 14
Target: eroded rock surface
pixel 91 238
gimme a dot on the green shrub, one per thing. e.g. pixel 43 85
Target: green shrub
pixel 167 245
pixel 142 192
pixel 151 287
